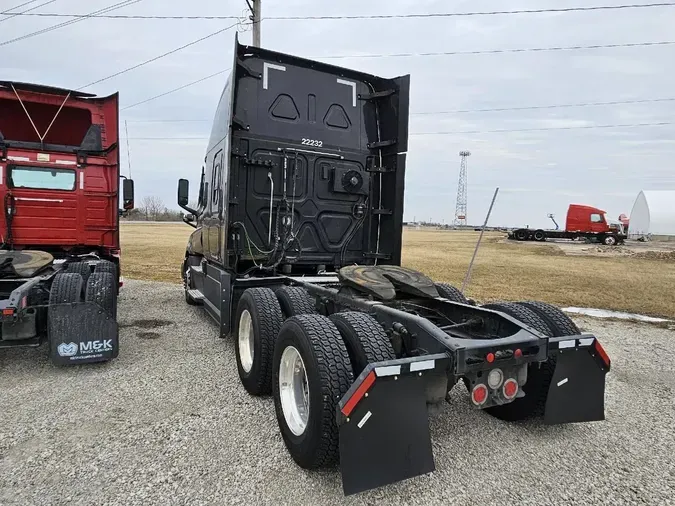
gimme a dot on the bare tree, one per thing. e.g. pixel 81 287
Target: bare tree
pixel 152 207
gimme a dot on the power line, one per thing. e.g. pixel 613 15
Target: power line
pixel 507 130
pixel 499 51
pixel 481 13
pixel 217 32
pixel 66 23
pixel 18 7
pixel 584 127
pixel 552 106
pixel 378 16
pixel 174 90
pixel 27 10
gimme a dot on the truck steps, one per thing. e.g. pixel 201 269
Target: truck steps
pixel 196 294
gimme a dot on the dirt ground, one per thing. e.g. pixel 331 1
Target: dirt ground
pixel 650 250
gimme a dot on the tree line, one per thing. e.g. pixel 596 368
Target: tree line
pixel 152 208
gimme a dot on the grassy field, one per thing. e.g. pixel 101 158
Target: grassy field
pixel 503 271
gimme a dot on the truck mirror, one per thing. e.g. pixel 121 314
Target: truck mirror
pixel 183 192
pixel 128 194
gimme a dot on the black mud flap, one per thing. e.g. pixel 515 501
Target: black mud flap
pixel 577 390
pixel 81 333
pixel 384 426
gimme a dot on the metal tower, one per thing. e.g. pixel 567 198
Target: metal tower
pixel 460 209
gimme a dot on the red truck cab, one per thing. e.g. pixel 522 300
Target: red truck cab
pixel 59 221
pixel 581 218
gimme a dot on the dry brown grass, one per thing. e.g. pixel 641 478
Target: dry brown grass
pixel 503 271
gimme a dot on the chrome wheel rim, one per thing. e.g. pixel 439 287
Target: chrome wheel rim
pixel 246 351
pixel 294 390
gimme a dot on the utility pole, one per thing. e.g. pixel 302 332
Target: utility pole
pixel 255 7
pixel 460 209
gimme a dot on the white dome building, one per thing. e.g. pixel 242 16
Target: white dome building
pixel 653 216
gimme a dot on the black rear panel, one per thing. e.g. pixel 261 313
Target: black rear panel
pixel 331 143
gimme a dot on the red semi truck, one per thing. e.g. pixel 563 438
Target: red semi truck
pixel 59 222
pixel 583 222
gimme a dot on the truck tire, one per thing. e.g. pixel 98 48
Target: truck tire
pixel 102 291
pixel 187 284
pixel 539 236
pixel 538 375
pixel 106 266
pixel 559 323
pixel 522 314
pixel 257 323
pixel 294 301
pixel 520 235
pixel 66 288
pixel 81 268
pixel 609 240
pixel 449 292
pixel 311 344
pixel 364 338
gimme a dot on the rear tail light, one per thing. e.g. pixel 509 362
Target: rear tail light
pixel 495 378
pixel 510 388
pixel 479 394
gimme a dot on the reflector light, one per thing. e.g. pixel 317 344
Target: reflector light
pixel 518 353
pixel 603 354
pixel 358 394
pixel 479 394
pixel 495 378
pixel 490 357
pixel 8 311
pixel 510 388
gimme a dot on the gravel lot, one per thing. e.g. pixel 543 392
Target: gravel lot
pixel 169 423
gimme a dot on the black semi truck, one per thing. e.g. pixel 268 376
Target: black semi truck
pixel 297 253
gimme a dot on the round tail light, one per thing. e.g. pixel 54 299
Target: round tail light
pixel 479 394
pixel 510 388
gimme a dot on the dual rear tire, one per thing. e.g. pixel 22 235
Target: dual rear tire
pixel 307 361
pixel 549 321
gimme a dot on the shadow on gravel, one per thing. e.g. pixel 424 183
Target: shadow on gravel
pixel 149 335
pixel 145 324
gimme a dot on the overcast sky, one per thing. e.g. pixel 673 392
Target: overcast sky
pixel 538 172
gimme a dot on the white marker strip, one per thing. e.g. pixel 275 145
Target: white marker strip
pixel 65 162
pixel 388 370
pixel 422 365
pixel 586 341
pixel 364 419
pixel 81 179
pixel 266 68
pixel 37 200
pixel 567 344
pixel 19 158
pixel 353 85
pixel 563 381
pixel 2 175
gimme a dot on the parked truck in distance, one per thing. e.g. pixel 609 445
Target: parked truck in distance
pixel 59 192
pixel 582 222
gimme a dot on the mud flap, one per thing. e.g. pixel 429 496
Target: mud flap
pixel 81 333
pixel 577 390
pixel 384 427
